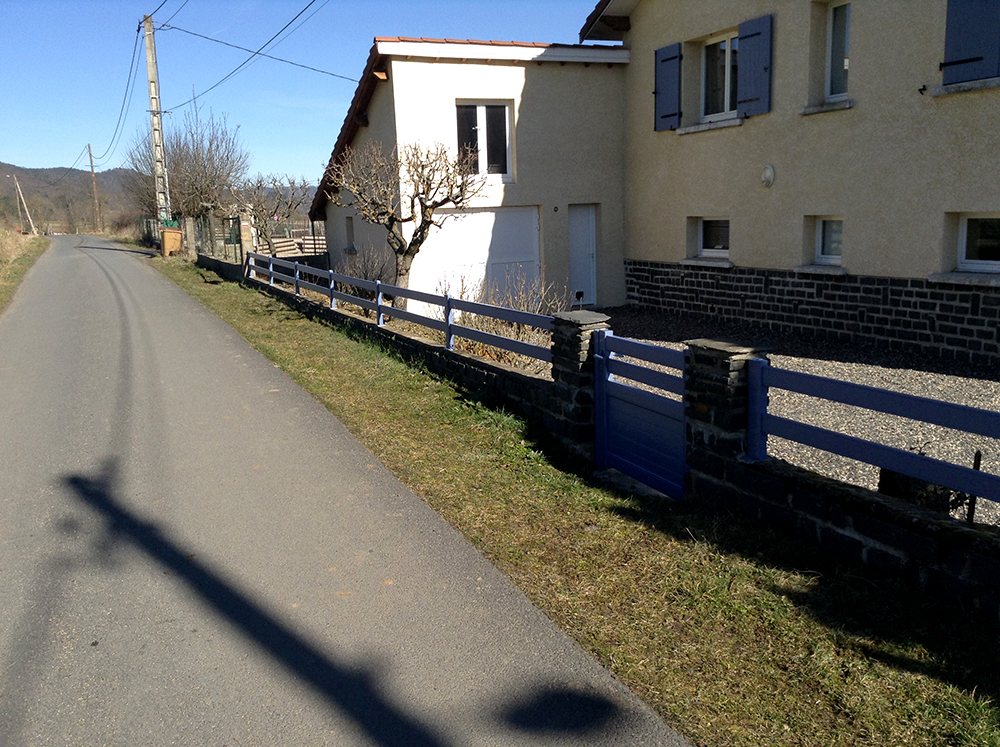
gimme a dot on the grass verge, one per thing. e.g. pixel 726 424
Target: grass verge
pixel 17 255
pixel 735 636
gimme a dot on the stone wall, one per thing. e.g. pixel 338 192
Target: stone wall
pixel 956 322
pixel 932 552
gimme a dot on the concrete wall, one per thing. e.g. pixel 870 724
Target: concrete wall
pixel 898 165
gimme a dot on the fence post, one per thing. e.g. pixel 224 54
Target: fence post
pixel 270 270
pixel 717 399
pixel 571 413
pixel 757 409
pixel 380 320
pixel 296 278
pixel 247 268
pixel 601 376
pixel 333 301
pixel 449 320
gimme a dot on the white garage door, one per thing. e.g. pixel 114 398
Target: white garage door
pixel 494 246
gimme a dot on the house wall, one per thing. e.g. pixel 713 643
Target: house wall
pixel 566 145
pixel 381 128
pixel 898 165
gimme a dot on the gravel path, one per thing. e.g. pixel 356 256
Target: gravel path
pixel 862 364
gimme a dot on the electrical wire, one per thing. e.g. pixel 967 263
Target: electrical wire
pixel 248 59
pixel 127 96
pixel 66 172
pixel 258 54
pixel 174 13
pixel 158 7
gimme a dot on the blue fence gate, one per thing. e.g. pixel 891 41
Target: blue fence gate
pixel 640 432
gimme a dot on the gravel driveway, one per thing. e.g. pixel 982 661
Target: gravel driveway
pixel 861 364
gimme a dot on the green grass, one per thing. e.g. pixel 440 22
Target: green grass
pixel 735 636
pixel 11 271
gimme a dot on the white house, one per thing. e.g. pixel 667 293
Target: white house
pixel 546 121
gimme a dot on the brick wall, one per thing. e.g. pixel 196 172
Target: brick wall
pixel 959 322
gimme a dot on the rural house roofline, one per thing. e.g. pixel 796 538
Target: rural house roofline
pixel 385 47
pixel 608 21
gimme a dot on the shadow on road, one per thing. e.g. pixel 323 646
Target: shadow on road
pixel 352 692
pixel 549 710
pixel 120 249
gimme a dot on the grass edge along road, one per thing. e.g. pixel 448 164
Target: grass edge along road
pixel 17 255
pixel 734 635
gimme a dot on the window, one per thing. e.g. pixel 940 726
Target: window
pixel 484 131
pixel 838 50
pixel 349 227
pixel 979 242
pixel 713 238
pixel 972 41
pixel 719 71
pixel 829 240
pixel 735 77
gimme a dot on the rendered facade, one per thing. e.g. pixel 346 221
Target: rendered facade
pixel 546 120
pixel 823 166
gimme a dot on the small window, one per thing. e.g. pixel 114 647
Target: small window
pixel 349 227
pixel 713 238
pixel 829 240
pixel 979 242
pixel 972 41
pixel 484 131
pixel 838 51
pixel 720 69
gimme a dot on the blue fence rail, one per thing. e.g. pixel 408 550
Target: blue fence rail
pixel 336 287
pixel 763 377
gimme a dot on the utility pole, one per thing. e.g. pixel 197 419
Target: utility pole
pixel 93 180
pixel 26 212
pixel 20 215
pixel 156 126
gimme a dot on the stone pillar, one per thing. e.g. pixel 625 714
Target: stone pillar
pixel 717 399
pixel 572 412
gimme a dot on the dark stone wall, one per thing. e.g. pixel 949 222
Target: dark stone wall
pixel 955 322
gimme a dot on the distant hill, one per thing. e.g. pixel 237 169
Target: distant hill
pixel 62 199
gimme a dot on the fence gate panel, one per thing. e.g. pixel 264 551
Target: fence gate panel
pixel 639 431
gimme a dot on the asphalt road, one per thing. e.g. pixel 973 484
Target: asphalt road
pixel 194 552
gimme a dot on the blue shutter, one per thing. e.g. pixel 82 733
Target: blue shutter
pixel 753 76
pixel 668 88
pixel 972 41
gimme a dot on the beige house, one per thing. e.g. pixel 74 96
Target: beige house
pixel 815 165
pixel 546 121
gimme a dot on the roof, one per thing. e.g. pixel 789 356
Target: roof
pixel 608 21
pixel 384 47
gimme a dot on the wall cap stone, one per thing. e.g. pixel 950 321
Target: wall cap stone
pixel 582 317
pixel 966 278
pixel 726 349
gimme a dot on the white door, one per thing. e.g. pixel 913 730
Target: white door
pixel 583 254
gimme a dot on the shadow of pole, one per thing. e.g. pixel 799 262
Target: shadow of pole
pixel 352 693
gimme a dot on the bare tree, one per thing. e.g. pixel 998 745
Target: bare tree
pixel 205 160
pixel 395 189
pixel 271 200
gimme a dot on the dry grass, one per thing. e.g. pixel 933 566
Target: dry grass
pixel 17 254
pixel 736 636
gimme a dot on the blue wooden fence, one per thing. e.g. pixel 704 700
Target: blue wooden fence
pixel 336 286
pixel 960 417
pixel 638 432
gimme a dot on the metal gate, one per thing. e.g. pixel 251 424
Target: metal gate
pixel 640 432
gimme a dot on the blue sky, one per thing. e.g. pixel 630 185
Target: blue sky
pixel 64 66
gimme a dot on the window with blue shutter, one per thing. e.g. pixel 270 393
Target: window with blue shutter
pixel 753 86
pixel 972 41
pixel 667 108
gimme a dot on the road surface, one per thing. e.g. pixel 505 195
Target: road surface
pixel 195 552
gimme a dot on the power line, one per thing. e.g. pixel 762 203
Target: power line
pixel 251 57
pixel 120 125
pixel 258 54
pixel 174 13
pixel 158 7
